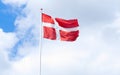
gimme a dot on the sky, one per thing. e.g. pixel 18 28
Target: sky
pixel 95 52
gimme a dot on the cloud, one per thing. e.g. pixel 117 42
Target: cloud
pixel 7 41
pixel 15 3
pixel 111 32
pixel 29 65
pixel 88 11
pixel 10 38
pixel 23 44
pixel 96 51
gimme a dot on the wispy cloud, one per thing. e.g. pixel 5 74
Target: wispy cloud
pixel 23 43
pixel 96 51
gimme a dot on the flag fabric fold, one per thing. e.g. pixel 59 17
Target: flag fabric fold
pixel 48 27
pixel 68 29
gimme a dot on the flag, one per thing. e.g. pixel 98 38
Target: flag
pixel 48 27
pixel 68 29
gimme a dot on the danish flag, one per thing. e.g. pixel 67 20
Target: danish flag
pixel 48 27
pixel 68 29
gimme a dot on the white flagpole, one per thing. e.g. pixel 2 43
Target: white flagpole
pixel 41 36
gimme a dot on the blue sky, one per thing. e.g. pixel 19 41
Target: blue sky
pixel 19 42
pixel 95 52
pixel 7 18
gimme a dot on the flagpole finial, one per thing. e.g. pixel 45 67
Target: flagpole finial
pixel 41 9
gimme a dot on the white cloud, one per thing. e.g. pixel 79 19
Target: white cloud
pixel 7 40
pixel 15 3
pixel 29 65
pixel 88 11
pixel 96 51
pixel 25 41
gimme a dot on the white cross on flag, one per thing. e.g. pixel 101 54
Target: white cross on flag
pixel 68 28
pixel 48 27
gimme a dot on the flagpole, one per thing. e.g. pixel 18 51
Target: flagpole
pixel 41 36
